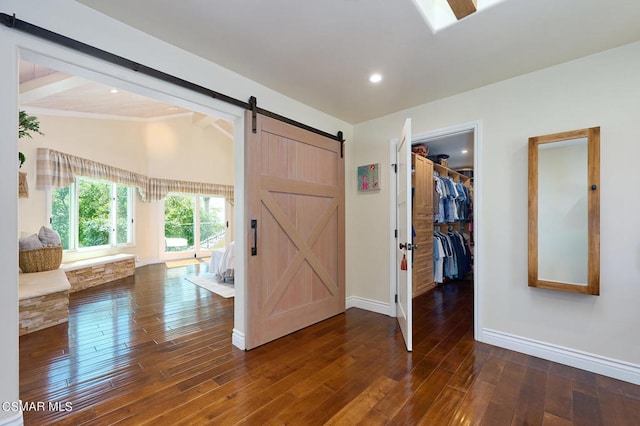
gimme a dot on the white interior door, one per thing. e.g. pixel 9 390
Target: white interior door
pixel 403 242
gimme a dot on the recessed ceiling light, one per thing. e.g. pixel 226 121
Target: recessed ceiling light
pixel 375 78
pixel 464 151
pixel 113 91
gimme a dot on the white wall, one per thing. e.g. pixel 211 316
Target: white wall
pixel 600 90
pixel 79 22
pixel 171 148
pixel 178 150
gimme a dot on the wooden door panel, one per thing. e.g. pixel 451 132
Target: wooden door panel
pixel 295 191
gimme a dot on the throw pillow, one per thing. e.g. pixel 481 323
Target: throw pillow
pixel 49 237
pixel 30 243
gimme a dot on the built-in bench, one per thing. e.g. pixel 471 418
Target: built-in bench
pixel 43 300
pixel 100 270
pixel 44 296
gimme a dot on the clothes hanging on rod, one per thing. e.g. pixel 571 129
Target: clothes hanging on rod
pixel 452 200
pixel 451 255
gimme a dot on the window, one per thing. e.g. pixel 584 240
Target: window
pixel 212 222
pixel 194 223
pixel 92 213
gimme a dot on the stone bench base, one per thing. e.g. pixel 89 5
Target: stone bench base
pixel 44 296
pixel 92 272
pixel 43 300
pixel 44 311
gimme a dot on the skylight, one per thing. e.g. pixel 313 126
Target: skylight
pixel 438 13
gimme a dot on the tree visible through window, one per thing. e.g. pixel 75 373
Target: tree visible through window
pixel 61 213
pixel 94 204
pixel 91 213
pixel 181 220
pixel 212 222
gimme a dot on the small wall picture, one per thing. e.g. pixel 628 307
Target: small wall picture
pixel 368 177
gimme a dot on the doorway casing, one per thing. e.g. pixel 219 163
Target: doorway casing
pixel 476 128
pixel 110 74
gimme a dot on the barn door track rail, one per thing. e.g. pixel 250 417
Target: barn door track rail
pixel 12 22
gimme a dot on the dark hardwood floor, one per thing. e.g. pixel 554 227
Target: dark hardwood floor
pixel 157 349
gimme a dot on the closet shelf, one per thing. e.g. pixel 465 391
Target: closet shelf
pixel 445 171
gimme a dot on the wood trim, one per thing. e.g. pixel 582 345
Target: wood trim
pixel 571 288
pixel 275 184
pixel 593 277
pixel 562 136
pixel 300 135
pixel 462 8
pixel 594 211
pixel 533 212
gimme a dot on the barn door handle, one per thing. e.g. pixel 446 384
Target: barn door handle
pixel 254 226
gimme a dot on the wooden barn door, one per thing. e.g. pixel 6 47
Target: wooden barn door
pixel 295 221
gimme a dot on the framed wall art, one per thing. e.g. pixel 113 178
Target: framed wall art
pixel 368 177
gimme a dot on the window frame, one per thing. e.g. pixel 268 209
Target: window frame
pixel 197 250
pixel 74 216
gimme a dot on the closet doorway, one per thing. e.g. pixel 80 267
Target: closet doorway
pixel 445 207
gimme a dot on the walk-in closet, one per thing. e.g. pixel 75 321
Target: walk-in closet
pixel 442 213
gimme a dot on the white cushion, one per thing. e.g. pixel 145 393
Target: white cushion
pixel 40 283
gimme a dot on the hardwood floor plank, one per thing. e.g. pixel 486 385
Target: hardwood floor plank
pixel 614 409
pixel 423 397
pixel 156 349
pixel 204 408
pixel 584 382
pixel 473 407
pixel 357 409
pixel 551 420
pixel 270 411
pixel 444 408
pixel 586 410
pixel 530 406
pixel 469 370
pixel 406 388
pixel 501 410
pixel 559 397
pixel 300 406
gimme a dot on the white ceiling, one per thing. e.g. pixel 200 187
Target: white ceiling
pixel 322 52
pixel 46 90
pixel 42 88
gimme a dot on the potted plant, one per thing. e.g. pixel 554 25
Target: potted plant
pixel 28 124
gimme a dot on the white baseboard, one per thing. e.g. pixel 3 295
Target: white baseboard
pixel 237 339
pixel 15 420
pixel 617 369
pixel 145 262
pixel 369 305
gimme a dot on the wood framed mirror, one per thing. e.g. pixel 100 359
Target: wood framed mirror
pixel 564 211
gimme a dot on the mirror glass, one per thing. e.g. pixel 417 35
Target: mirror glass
pixel 564 211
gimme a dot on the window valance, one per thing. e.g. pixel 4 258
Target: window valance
pixel 56 170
